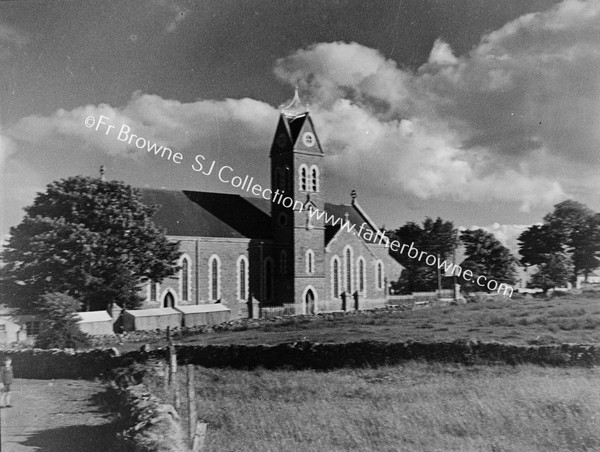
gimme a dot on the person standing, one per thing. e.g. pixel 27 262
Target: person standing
pixel 6 374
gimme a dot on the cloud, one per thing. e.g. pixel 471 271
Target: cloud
pixel 179 14
pixel 7 148
pixel 515 119
pixel 507 234
pixel 216 127
pixel 10 39
pixel 441 53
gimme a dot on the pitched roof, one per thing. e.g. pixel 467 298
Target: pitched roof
pixel 206 214
pixel 93 316
pixel 354 217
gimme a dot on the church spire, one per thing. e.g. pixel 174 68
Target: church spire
pixel 295 107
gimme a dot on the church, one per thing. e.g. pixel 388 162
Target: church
pixel 235 248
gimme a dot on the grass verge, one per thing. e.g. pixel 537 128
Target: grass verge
pixel 413 407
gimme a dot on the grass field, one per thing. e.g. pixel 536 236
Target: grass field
pixel 524 321
pixel 414 407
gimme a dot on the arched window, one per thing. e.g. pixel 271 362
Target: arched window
pixel 361 275
pixel 335 277
pixel 283 262
pixel 310 262
pixel 214 278
pixel 314 178
pixel 154 289
pixel 242 283
pixel 268 278
pixel 310 210
pixel 184 278
pixel 380 275
pixel 348 268
pixel 303 180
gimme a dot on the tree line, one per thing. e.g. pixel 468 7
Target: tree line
pixel 565 246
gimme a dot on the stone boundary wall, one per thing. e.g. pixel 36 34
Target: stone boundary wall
pixel 50 364
pixel 307 355
pixel 150 426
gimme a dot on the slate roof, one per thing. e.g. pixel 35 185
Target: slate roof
pixel 208 214
pixel 339 211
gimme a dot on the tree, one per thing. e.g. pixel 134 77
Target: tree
pixel 585 244
pixel 538 243
pixel 89 238
pixel 552 273
pixel 60 329
pixel 571 230
pixel 486 256
pixel 434 237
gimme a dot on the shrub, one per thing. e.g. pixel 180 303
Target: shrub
pixel 60 329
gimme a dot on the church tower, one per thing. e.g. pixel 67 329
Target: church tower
pixel 297 173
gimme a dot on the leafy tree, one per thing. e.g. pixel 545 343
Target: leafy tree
pixel 552 273
pixel 538 244
pixel 60 329
pixel 585 245
pixel 486 256
pixel 434 237
pixel 572 230
pixel 89 238
pixel 567 215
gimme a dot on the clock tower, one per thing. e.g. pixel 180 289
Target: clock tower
pixel 297 173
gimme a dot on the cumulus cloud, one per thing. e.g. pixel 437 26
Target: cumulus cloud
pixel 515 119
pixel 10 39
pixel 216 127
pixel 507 234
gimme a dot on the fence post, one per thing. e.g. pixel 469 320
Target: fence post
pixel 191 396
pixel 173 376
pixel 199 437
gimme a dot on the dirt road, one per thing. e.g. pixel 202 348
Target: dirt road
pixel 55 415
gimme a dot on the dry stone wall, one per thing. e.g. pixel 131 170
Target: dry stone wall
pixel 49 364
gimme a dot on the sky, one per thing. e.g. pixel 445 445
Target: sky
pixel 482 112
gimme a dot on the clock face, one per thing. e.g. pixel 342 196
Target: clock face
pixel 281 140
pixel 308 139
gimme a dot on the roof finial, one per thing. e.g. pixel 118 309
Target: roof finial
pixel 102 172
pixel 295 107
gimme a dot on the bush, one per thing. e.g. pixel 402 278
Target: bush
pixel 60 329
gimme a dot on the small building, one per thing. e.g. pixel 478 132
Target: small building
pixel 10 330
pixel 18 328
pixel 204 314
pixel 95 323
pixel 151 319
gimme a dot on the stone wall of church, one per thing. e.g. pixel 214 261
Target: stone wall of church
pixel 359 249
pixel 200 251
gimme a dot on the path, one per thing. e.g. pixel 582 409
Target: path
pixel 55 415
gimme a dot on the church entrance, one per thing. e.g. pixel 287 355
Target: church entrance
pixel 169 300
pixel 309 300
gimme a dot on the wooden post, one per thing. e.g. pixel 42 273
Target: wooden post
pixel 166 377
pixel 191 396
pixel 172 362
pixel 199 437
pixel 173 376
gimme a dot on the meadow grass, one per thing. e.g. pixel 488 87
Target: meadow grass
pixel 412 407
pixel 574 319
